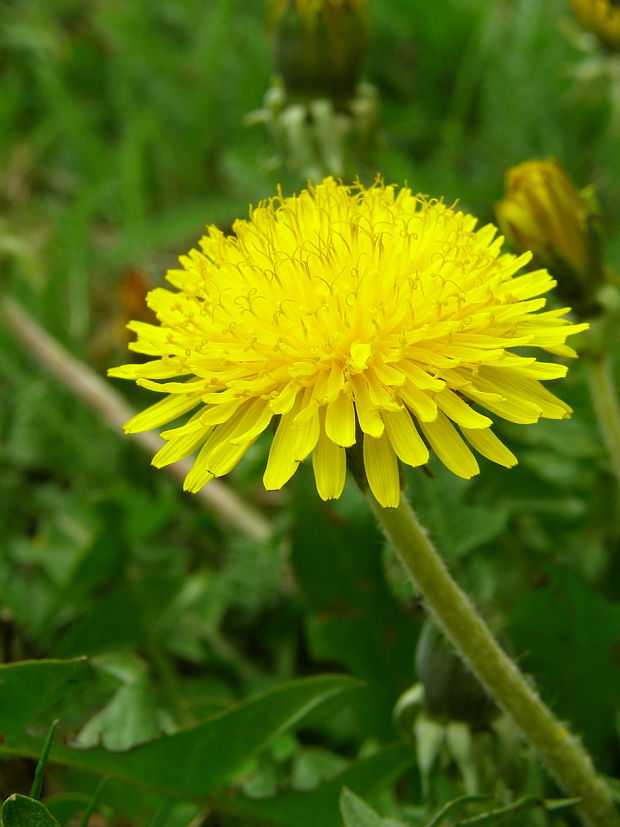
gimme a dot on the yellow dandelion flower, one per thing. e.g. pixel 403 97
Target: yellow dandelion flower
pixel 602 17
pixel 347 315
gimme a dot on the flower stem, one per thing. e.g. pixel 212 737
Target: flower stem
pixel 110 405
pixel 606 406
pixel 569 763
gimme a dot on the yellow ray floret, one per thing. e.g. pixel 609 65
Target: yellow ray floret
pixel 348 316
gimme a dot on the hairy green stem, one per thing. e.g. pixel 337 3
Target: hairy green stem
pixel 563 754
pixel 606 406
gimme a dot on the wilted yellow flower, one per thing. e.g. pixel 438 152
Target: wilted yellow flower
pixel 543 211
pixel 350 315
pixel 602 17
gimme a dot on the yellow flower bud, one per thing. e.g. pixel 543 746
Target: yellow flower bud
pixel 543 211
pixel 602 17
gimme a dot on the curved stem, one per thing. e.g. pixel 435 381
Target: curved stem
pixel 110 405
pixel 569 763
pixel 606 406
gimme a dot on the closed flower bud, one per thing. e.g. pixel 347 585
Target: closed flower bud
pixel 451 692
pixel 543 211
pixel 319 46
pixel 602 18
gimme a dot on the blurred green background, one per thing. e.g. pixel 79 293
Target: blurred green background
pixel 124 131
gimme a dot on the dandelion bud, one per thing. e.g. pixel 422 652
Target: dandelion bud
pixel 451 692
pixel 602 18
pixel 319 46
pixel 323 118
pixel 544 212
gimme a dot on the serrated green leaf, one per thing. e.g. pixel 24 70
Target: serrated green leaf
pixel 21 811
pixel 194 761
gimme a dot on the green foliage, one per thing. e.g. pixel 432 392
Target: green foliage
pixel 20 811
pixel 189 762
pixel 564 610
pixel 351 617
pixel 183 660
pixel 356 813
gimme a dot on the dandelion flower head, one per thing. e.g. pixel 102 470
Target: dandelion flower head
pixel 348 316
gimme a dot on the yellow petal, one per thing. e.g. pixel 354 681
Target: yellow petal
pixel 405 439
pixel 511 383
pixel 330 465
pixel 510 407
pixel 181 442
pixel 381 468
pixel 488 444
pixel 223 449
pixel 193 386
pixel 449 447
pixel 216 414
pixel 360 354
pixel 367 414
pixel 255 423
pixel 459 411
pixel 284 400
pixel 420 378
pixel 157 369
pixel 282 463
pixel 421 403
pixel 223 458
pixel 340 420
pixel 173 406
pixel 199 474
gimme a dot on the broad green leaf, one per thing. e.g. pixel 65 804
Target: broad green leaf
pixel 194 761
pixel 21 811
pixel 352 617
pixel 320 806
pixel 32 692
pixel 568 637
